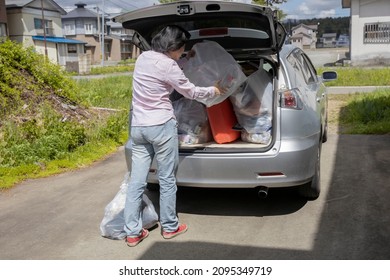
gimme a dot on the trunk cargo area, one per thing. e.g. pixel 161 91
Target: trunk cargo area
pixel 242 118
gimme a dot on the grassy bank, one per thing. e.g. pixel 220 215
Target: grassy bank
pixel 48 124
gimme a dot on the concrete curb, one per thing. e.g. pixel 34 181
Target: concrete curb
pixel 348 90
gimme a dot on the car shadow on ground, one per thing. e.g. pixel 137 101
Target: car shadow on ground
pixel 235 202
pixel 354 222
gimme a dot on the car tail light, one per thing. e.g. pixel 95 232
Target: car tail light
pixel 271 174
pixel 290 99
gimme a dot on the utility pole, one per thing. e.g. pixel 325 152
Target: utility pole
pixel 102 33
pixel 44 28
pixel 98 26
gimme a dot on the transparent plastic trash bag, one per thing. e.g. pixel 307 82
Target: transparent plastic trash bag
pixel 212 64
pixel 252 105
pixel 193 124
pixel 112 225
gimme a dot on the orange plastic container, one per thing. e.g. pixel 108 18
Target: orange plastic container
pixel 222 119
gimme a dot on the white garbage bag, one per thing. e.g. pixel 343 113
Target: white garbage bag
pixel 112 225
pixel 252 105
pixel 193 123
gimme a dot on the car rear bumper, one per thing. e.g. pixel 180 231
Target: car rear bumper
pixel 289 163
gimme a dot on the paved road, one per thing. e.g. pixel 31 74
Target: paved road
pixel 326 55
pixel 58 217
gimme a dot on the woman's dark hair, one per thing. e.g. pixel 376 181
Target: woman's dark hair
pixel 170 38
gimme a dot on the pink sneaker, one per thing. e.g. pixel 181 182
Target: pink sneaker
pixel 181 229
pixel 133 241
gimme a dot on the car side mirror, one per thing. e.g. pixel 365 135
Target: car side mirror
pixel 329 76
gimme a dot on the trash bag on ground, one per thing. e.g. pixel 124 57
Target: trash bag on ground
pixel 193 124
pixel 112 225
pixel 210 65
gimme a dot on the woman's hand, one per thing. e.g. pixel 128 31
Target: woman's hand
pixel 218 89
pixel 190 53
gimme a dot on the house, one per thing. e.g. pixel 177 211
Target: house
pixel 369 31
pixel 85 24
pixel 342 41
pixel 38 23
pixel 328 40
pixel 3 20
pixel 304 36
pixel 127 49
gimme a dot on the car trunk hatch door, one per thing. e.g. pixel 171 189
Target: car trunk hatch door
pixel 235 26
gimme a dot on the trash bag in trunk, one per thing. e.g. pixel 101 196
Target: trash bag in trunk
pixel 253 107
pixel 193 124
pixel 212 64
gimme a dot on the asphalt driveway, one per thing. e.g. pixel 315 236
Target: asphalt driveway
pixel 58 217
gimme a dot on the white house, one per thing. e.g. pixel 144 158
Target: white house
pixel 328 40
pixel 304 36
pixel 83 23
pixel 370 31
pixel 38 23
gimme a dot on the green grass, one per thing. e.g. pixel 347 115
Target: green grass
pixel 112 69
pixel 352 76
pixel 367 113
pixel 111 92
pixel 82 157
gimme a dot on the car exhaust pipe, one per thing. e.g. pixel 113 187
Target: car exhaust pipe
pixel 262 192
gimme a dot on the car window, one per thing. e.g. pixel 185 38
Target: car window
pixel 302 65
pixel 309 68
pixel 293 60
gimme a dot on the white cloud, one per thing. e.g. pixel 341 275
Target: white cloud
pixel 299 9
pixel 303 8
pixel 328 13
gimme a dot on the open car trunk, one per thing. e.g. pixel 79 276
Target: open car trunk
pixel 236 44
pixel 242 118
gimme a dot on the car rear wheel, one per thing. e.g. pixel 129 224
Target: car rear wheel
pixel 311 190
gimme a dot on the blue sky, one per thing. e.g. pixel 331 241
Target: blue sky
pixel 307 9
pixel 296 9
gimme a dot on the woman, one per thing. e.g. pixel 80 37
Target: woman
pixel 154 130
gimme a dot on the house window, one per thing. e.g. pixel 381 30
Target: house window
pixel 72 48
pixel 3 30
pixel 377 33
pixel 48 25
pixel 88 28
pixel 69 29
pixel 125 50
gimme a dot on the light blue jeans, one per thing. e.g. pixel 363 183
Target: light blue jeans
pixel 158 141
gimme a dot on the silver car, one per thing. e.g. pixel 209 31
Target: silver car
pixel 289 155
